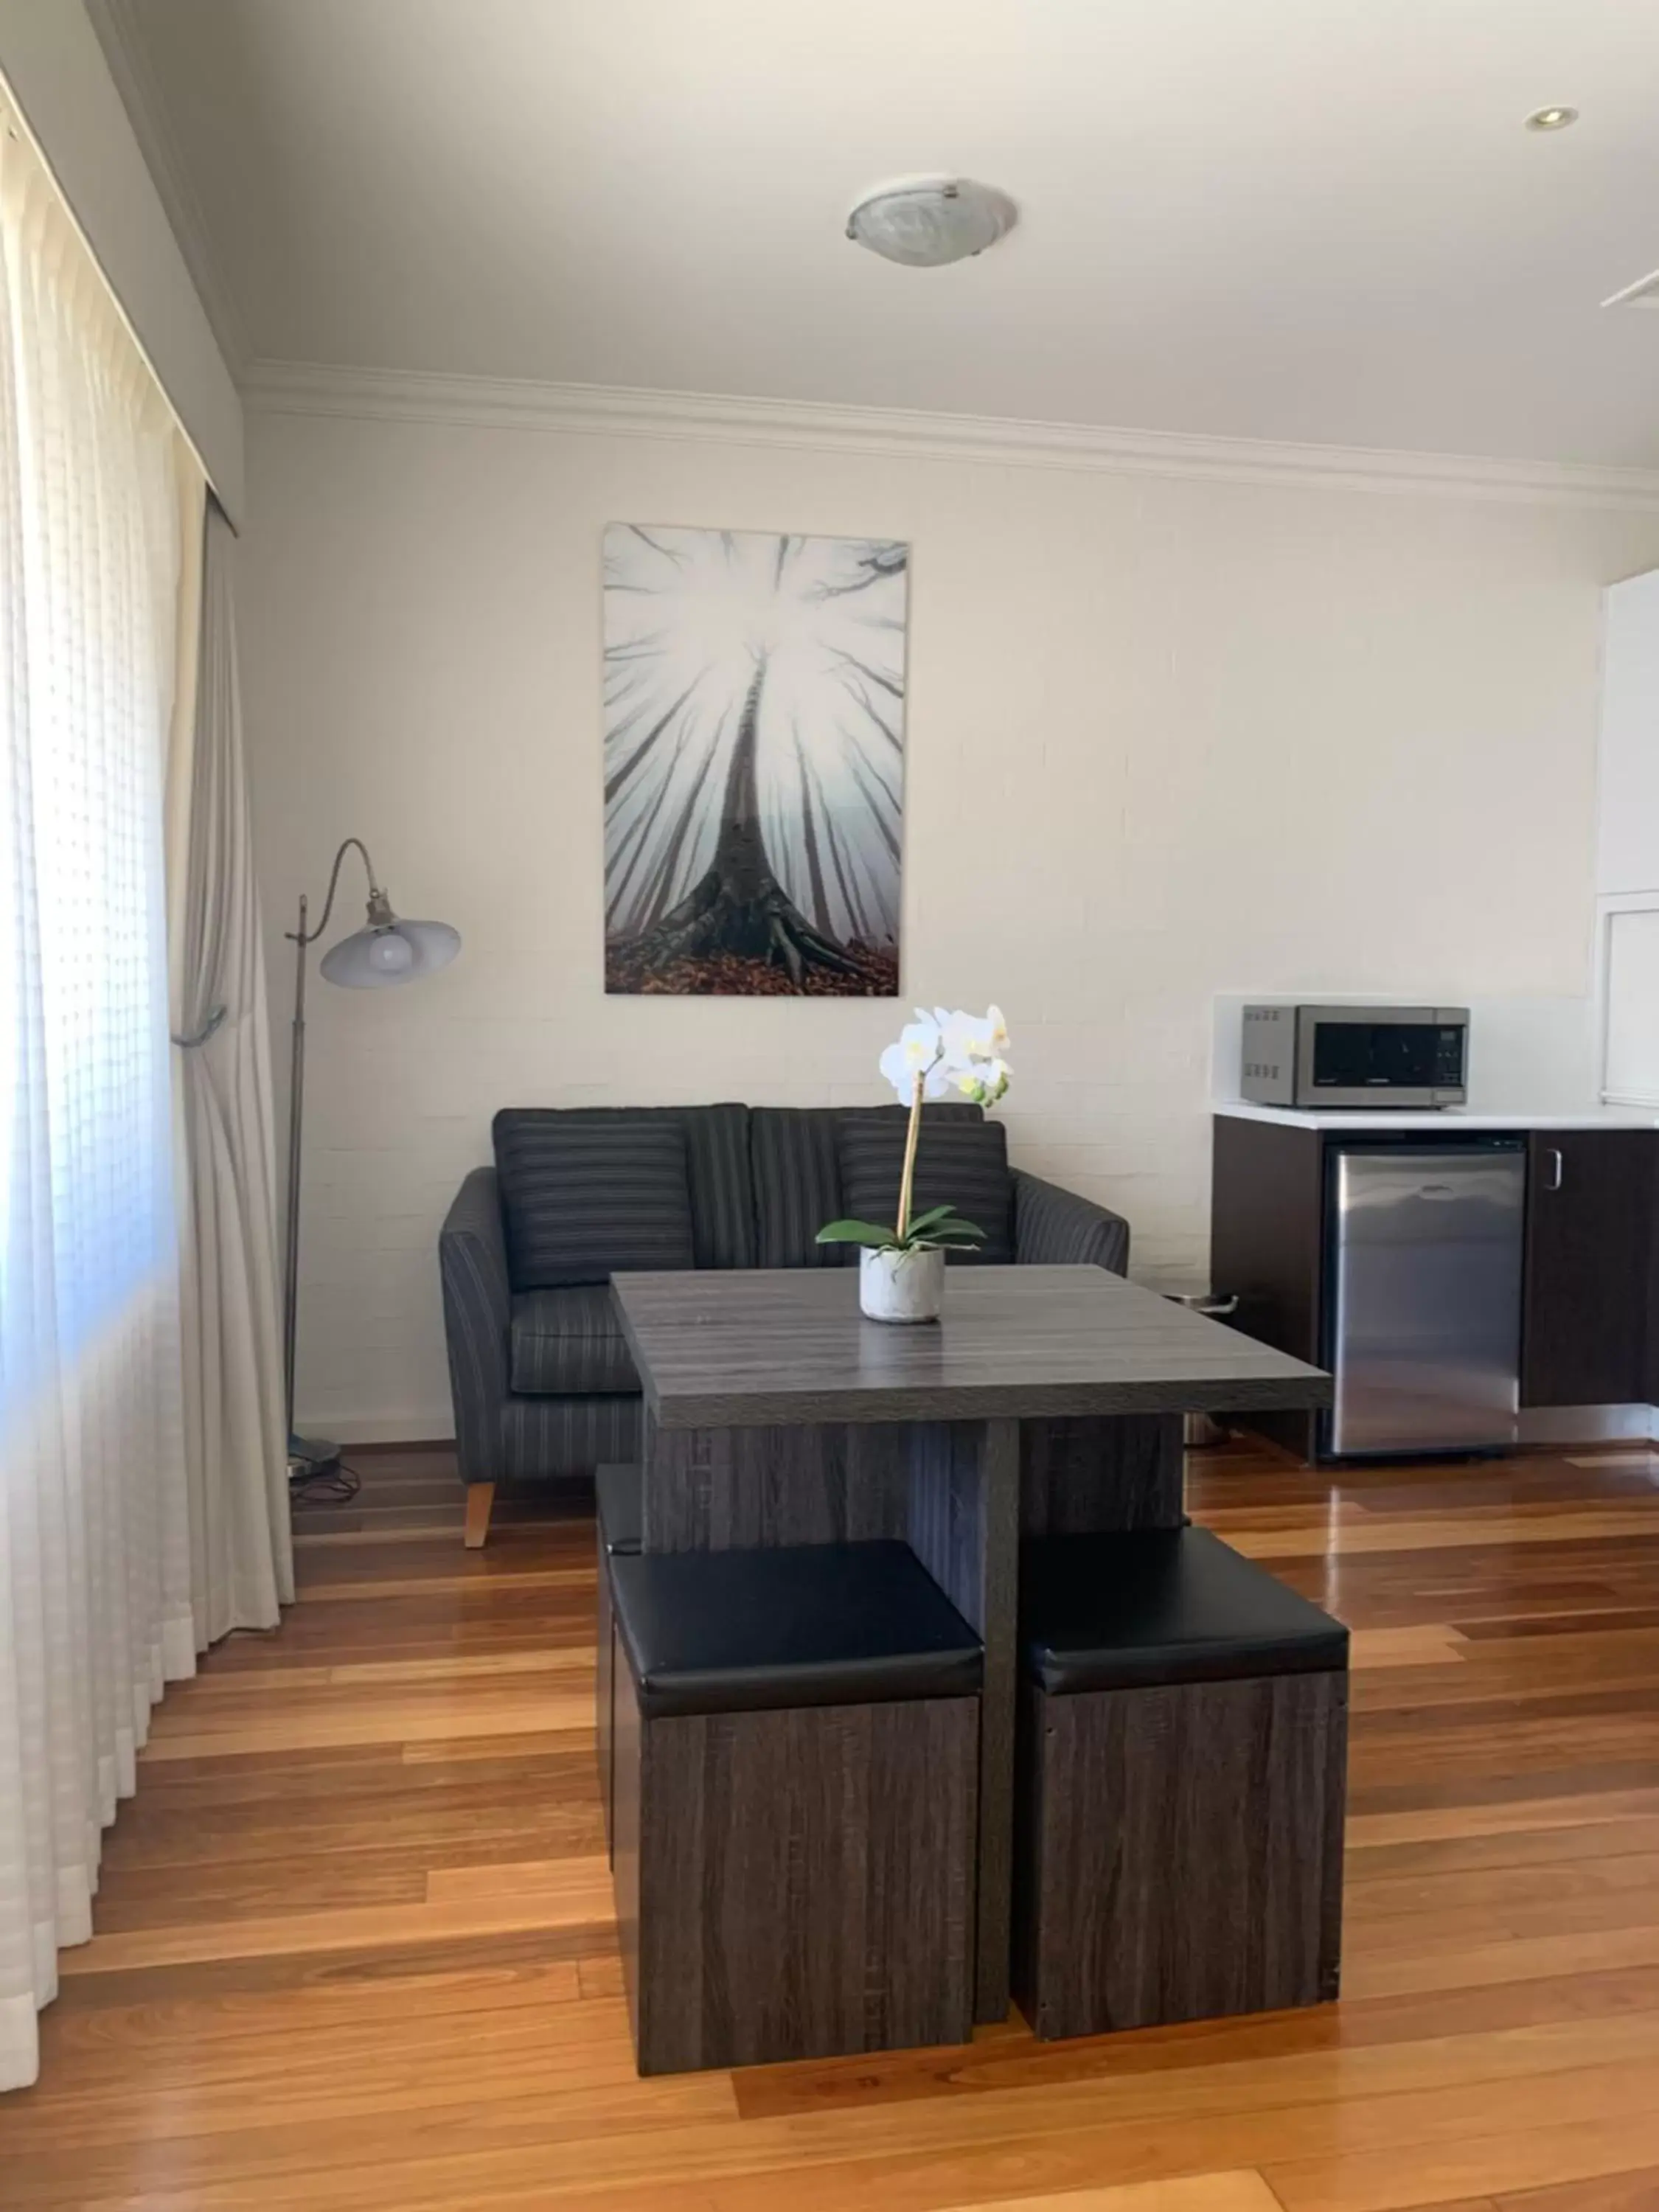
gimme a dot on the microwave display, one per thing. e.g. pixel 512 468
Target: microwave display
pixel 1361 1055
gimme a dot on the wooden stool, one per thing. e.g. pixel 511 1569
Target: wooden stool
pixel 618 1508
pixel 1183 1770
pixel 796 1761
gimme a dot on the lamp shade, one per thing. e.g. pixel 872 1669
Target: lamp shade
pixel 391 952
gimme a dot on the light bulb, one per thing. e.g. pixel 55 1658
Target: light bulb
pixel 389 954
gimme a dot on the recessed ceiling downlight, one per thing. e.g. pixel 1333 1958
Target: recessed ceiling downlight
pixel 926 222
pixel 1552 118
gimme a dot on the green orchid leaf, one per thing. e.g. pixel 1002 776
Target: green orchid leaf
pixel 856 1232
pixel 955 1227
pixel 921 1223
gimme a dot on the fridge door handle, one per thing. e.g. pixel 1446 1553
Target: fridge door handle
pixel 1553 1166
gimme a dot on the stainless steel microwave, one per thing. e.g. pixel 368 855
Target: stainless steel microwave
pixel 1355 1056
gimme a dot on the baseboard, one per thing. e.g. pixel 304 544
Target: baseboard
pixel 426 1425
pixel 1589 1425
pixel 360 1451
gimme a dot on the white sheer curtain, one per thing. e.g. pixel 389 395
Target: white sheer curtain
pixel 95 1549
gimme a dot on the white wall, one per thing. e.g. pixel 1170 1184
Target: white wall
pixel 1167 738
pixel 51 59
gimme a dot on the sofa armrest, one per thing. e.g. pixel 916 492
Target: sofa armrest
pixel 1055 1228
pixel 477 1321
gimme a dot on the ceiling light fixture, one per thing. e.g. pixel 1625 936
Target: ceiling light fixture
pixel 1552 118
pixel 925 221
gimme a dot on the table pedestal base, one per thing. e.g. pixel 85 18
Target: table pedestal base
pixel 961 1493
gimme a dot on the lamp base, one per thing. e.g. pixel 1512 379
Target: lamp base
pixel 310 1456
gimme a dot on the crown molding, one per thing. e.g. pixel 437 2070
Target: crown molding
pixel 278 387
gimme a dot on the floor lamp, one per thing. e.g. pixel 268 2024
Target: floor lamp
pixel 385 951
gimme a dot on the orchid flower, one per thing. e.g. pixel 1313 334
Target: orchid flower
pixel 919 1053
pixel 983 1081
pixel 940 1055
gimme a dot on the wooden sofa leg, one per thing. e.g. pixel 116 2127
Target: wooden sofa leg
pixel 480 1497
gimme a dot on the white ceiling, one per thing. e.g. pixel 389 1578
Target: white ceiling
pixel 1303 220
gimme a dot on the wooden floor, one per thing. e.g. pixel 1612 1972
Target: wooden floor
pixel 355 1949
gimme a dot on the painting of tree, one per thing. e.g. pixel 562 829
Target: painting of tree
pixel 753 759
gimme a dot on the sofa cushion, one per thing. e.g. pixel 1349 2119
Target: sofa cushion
pixel 795 1154
pixel 568 1342
pixel 716 1163
pixel 583 1200
pixel 792 1149
pixel 965 1164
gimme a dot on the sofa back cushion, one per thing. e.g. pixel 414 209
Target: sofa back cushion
pixel 795 1152
pixel 797 1184
pixel 716 1140
pixel 957 1164
pixel 581 1200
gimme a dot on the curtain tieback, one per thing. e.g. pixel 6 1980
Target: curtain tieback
pixel 213 1021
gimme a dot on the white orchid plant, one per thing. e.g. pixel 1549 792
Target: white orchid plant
pixel 937 1055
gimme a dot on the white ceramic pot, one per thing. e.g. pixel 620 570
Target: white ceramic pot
pixel 900 1286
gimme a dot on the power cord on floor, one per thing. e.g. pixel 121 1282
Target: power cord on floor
pixel 337 1485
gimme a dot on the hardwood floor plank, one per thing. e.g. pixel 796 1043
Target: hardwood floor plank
pixel 1476 1896
pixel 355 1945
pixel 1571 2154
pixel 1511 1847
pixel 1010 2059
pixel 538 1715
pixel 582 1899
pixel 1432 1643
pixel 517 2156
pixel 1500 1816
pixel 437 1584
pixel 1240 2191
pixel 1621 1525
pixel 520 1965
pixel 1526 1958
pixel 1616 2192
pixel 1205 2120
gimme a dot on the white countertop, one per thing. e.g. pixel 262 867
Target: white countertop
pixel 1445 1121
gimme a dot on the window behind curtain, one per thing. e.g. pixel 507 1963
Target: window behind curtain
pixel 93 1551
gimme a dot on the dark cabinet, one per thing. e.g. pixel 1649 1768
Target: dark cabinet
pixel 1590 1329
pixel 1267 1248
pixel 1589 1258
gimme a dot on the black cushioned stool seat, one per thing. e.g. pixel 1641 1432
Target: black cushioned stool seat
pixel 1182 1768
pixel 823 1624
pixel 1177 1605
pixel 796 1803
pixel 618 1518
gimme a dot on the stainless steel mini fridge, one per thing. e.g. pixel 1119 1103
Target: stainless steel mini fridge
pixel 1423 1295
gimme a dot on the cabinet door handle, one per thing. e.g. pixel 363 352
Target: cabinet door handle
pixel 1553 1156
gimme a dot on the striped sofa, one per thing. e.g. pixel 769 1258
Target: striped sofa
pixel 543 1384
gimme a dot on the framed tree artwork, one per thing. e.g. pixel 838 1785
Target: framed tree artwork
pixel 754 761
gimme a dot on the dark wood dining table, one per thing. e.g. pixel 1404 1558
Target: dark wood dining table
pixel 1044 1401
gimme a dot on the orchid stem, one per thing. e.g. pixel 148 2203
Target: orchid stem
pixel 913 1137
